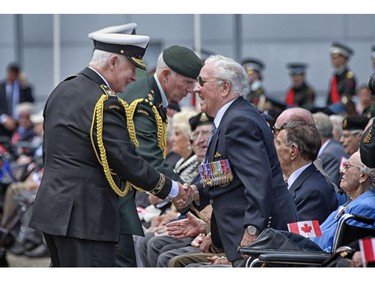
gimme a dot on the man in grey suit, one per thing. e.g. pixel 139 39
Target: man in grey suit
pixel 331 152
pixel 241 175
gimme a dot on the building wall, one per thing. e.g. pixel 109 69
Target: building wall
pixel 276 39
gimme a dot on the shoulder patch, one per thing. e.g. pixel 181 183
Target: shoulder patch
pixel 141 111
pixel 349 75
pixel 114 106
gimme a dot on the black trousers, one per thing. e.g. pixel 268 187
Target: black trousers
pixel 75 252
pixel 125 253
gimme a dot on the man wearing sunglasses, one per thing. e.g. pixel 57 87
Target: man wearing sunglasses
pixel 242 179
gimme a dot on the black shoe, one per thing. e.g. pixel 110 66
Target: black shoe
pixel 39 252
pixel 3 258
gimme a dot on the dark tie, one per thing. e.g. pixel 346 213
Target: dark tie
pixel 213 132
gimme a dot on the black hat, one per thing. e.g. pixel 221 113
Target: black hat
pixel 354 123
pixel 251 64
pixel 371 84
pixel 200 119
pixel 373 52
pixel 120 39
pixel 367 147
pixel 296 68
pixel 341 49
pixel 276 103
pixel 183 61
pixel 174 105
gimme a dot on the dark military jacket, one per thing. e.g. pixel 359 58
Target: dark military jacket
pixel 150 122
pixel 75 198
pixel 302 96
pixel 345 84
pixel 369 112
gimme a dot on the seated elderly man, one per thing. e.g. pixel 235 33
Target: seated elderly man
pixel 358 181
pixel 352 129
pixel 297 145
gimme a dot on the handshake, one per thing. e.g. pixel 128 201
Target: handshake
pixel 186 195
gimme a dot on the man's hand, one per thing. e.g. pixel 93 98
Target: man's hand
pixel 246 240
pixel 189 227
pixel 184 196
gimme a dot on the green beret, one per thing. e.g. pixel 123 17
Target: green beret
pixel 182 61
pixel 367 147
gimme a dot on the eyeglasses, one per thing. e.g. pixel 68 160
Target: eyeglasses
pixel 204 134
pixel 347 165
pixel 201 81
pixel 277 130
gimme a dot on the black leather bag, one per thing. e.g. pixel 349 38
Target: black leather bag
pixel 272 240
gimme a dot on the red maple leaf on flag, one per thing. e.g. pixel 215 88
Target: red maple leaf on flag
pixel 306 228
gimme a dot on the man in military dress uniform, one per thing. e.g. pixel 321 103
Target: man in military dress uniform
pixel 254 68
pixel 300 94
pixel 175 76
pixel 343 82
pixel 88 153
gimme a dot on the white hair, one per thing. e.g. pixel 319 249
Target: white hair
pixel 227 69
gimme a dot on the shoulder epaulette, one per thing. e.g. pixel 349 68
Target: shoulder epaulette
pixel 349 75
pixel 108 91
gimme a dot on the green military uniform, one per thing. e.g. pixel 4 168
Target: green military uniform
pixel 150 124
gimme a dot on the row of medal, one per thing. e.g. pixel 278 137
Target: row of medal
pixel 215 173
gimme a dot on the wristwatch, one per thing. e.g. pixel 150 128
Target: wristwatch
pixel 252 230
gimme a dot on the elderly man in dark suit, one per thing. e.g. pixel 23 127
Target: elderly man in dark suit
pixel 242 179
pixel 297 146
pixel 89 156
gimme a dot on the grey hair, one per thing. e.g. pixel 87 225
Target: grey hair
pixel 305 136
pixel 100 58
pixel 229 70
pixel 324 124
pixel 370 172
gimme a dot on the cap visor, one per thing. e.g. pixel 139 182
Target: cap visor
pixel 137 62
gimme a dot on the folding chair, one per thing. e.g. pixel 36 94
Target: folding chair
pixel 344 234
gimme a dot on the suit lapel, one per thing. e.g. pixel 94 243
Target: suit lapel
pixel 301 179
pixel 215 139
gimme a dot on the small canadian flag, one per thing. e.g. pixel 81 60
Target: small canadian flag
pixel 305 228
pixel 367 247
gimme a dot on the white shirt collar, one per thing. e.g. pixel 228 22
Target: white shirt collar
pixel 221 112
pixel 164 99
pixel 324 145
pixel 101 76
